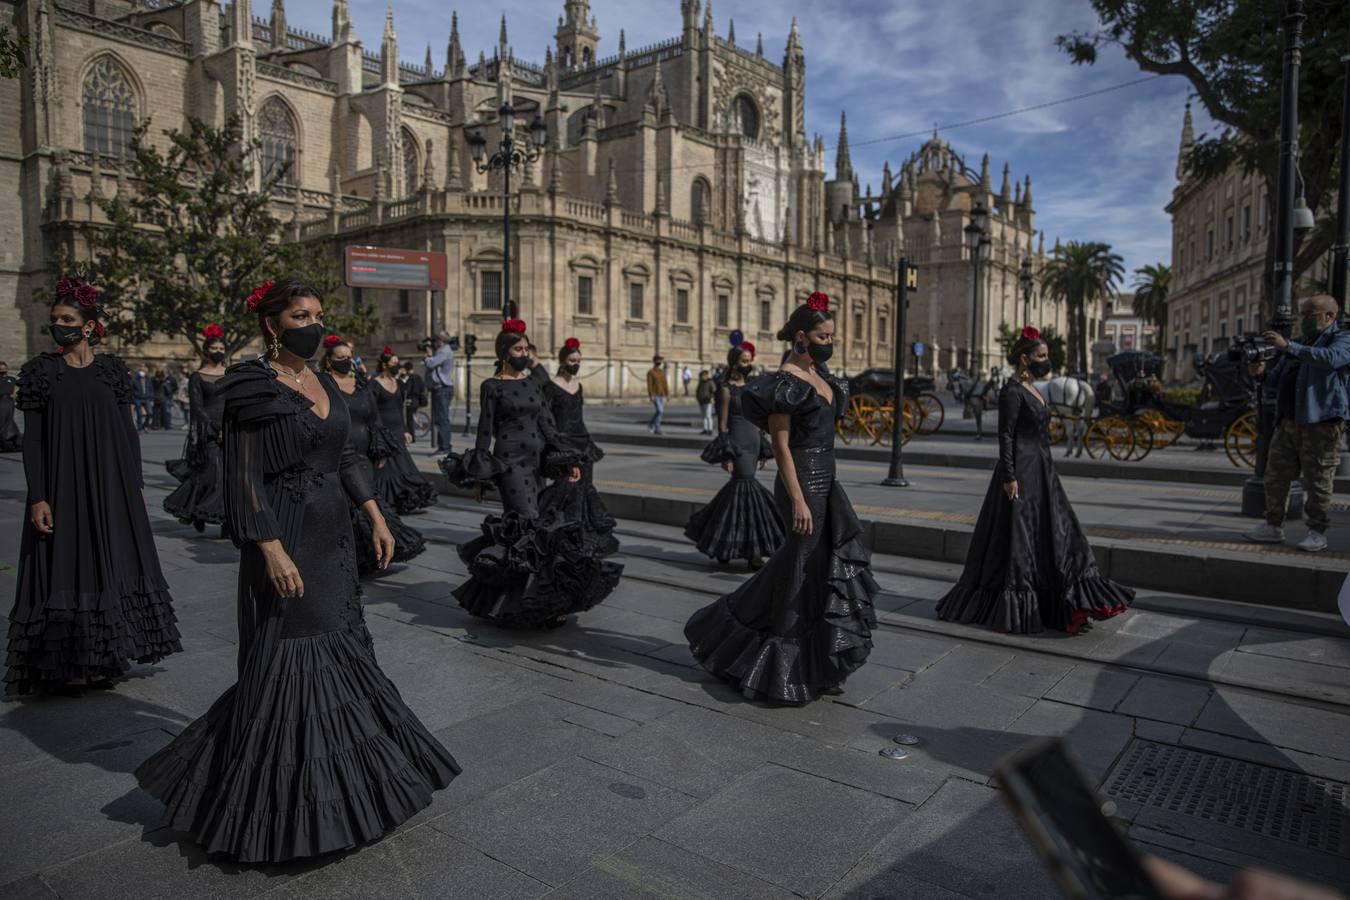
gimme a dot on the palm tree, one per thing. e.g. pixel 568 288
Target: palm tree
pixel 1081 274
pixel 1151 287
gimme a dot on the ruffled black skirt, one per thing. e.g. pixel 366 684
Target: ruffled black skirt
pixel 408 541
pixel 400 486
pixel 199 496
pixel 739 523
pixel 803 623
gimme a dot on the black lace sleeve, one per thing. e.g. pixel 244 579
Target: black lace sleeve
pixel 35 381
pixel 1009 408
pixel 775 394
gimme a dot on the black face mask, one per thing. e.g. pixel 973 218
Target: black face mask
pixel 341 366
pixel 1039 368
pixel 216 356
pixel 519 363
pixel 745 370
pixel 303 342
pixel 570 369
pixel 67 335
pixel 821 352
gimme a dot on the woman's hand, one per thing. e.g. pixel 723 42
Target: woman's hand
pixel 379 463
pixel 477 493
pixel 574 474
pixel 1010 489
pixel 801 517
pixel 383 542
pixel 407 438
pixel 40 514
pixel 728 466
pixel 281 571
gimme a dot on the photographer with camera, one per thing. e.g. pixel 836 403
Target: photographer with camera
pixel 440 362
pixel 1311 408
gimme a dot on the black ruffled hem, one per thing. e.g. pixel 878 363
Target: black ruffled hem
pixel 57 645
pixel 1024 610
pixel 330 759
pixel 474 468
pixel 739 523
pixel 408 541
pixel 197 499
pixel 402 494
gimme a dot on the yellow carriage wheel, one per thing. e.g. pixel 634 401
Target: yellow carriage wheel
pixel 1059 432
pixel 1239 440
pixel 931 413
pixel 1110 436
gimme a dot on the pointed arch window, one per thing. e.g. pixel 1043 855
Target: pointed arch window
pixel 109 106
pixel 412 169
pixel 700 201
pixel 277 133
pixel 748 113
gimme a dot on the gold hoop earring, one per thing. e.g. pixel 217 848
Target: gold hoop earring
pixel 276 346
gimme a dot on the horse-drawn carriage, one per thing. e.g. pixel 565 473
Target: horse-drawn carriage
pixel 1136 418
pixel 870 417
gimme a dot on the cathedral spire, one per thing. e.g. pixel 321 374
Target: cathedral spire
pixel 1187 142
pixel 501 37
pixel 887 184
pixel 1026 196
pixel 1017 197
pixel 278 24
pixel 986 182
pixel 1005 190
pixel 794 37
pixel 843 166
pixel 623 49
pixel 430 66
pixel 708 19
pixel 759 44
pixel 389 50
pixel 454 56
pixel 731 33
pixel 611 186
pixel 342 22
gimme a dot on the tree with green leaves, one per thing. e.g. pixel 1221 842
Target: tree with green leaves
pixel 1231 54
pixel 1151 286
pixel 192 236
pixel 1054 343
pixel 1080 274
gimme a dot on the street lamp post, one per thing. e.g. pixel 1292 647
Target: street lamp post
pixel 979 245
pixel 1340 253
pixel 907 279
pixel 510 155
pixel 1027 278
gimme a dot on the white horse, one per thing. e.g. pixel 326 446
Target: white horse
pixel 1075 401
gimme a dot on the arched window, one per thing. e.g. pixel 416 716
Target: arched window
pixel 700 201
pixel 109 109
pixel 412 170
pixel 749 116
pixel 277 132
pixel 585 57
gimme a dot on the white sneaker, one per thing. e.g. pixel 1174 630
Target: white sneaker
pixel 1268 534
pixel 1315 542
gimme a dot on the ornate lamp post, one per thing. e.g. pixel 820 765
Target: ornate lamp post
pixel 510 155
pixel 979 245
pixel 1027 278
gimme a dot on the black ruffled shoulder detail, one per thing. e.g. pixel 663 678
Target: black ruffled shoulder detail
pixel 839 387
pixel 776 393
pixel 250 392
pixel 472 468
pixel 36 378
pixel 112 370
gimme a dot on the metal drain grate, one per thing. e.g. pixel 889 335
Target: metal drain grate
pixel 1277 803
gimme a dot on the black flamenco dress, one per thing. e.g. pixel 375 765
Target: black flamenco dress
pixel 90 595
pixel 577 502
pixel 799 626
pixel 313 749
pixel 1029 566
pixel 740 522
pixel 374 445
pixel 11 441
pixel 398 483
pixel 526 570
pixel 199 497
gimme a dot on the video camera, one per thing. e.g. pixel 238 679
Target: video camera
pixel 1252 350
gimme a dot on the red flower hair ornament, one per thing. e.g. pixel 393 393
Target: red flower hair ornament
pixel 387 351
pixel 79 290
pixel 818 302
pixel 255 298
pixel 213 333
pixel 572 344
pixel 514 326
pixel 330 341
pixel 1030 334
pixel 748 348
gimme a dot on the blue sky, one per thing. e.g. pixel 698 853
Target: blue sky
pixel 1101 168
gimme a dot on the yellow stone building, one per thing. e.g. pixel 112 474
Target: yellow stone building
pixel 679 196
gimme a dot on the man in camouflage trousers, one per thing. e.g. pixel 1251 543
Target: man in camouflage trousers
pixel 1311 408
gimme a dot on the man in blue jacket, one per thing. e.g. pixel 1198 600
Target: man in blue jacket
pixel 1311 408
pixel 143 396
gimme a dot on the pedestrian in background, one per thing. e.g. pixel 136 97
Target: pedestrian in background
pixel 143 398
pixel 704 394
pixel 181 396
pixel 440 365
pixel 11 439
pixel 658 390
pixel 1311 407
pixel 416 395
pixel 686 376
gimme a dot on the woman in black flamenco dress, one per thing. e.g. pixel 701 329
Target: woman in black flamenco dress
pixel 527 570
pixel 740 522
pixel 199 499
pixel 11 440
pixel 803 623
pixel 1029 566
pixel 576 502
pixel 312 750
pixel 90 596
pixel 374 445
pixel 398 483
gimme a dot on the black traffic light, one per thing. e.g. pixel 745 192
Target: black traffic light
pixel 470 345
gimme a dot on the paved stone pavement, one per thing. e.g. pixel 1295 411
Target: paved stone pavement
pixel 599 762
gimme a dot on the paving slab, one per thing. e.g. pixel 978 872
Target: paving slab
pixel 653 868
pixel 1166 700
pixel 1093 686
pixel 1280 723
pixel 788 828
